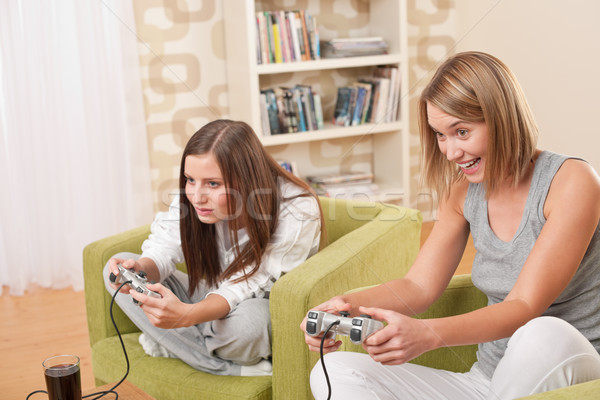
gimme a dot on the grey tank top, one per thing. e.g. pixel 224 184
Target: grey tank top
pixel 498 263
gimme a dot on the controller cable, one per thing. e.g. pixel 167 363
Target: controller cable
pixel 111 390
pixel 322 360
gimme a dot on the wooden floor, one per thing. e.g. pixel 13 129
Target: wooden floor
pixel 33 327
pixel 48 322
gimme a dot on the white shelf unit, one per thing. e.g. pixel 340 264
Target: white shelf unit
pixel 390 141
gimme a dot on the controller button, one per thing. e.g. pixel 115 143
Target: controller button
pixel 311 328
pixel 142 274
pixel 344 314
pixel 139 289
pixel 365 316
pixel 355 335
pixel 312 314
pixel 357 322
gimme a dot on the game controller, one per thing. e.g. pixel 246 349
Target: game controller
pixel 137 281
pixel 358 328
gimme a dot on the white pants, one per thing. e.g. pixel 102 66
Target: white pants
pixel 546 353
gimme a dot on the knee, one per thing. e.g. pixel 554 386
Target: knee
pixel 244 336
pixel 543 327
pixel 543 333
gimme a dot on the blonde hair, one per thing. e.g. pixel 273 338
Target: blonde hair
pixel 478 87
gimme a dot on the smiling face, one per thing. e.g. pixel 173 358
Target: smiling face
pixel 205 188
pixel 462 142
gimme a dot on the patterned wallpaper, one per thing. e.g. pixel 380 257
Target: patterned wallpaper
pixel 183 69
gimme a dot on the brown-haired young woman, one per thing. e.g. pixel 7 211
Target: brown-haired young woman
pixel 241 224
pixel 534 217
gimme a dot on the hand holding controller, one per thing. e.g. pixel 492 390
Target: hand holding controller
pixel 358 328
pixel 137 280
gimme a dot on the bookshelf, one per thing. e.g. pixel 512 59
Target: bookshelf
pixel 246 77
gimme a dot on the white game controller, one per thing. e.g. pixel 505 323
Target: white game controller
pixel 137 281
pixel 358 328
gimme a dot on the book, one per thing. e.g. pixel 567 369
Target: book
pixel 341 113
pixel 358 105
pixel 391 73
pixel 283 36
pixel 306 39
pixel 263 37
pixel 285 124
pixel 258 43
pixel 269 30
pixel 354 47
pixel 318 110
pixel 264 115
pixel 299 109
pixel 344 177
pixel 272 113
pixel 291 18
pixel 276 38
pixel 309 107
pixel 288 101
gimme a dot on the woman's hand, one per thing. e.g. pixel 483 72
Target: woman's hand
pixel 401 340
pixel 167 312
pixel 127 264
pixel 333 306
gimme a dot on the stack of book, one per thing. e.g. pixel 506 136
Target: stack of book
pixel 289 110
pixel 353 47
pixel 286 36
pixel 373 99
pixel 345 185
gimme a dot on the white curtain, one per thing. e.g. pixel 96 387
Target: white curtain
pixel 73 152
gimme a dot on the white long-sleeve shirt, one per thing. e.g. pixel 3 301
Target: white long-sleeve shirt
pixel 296 238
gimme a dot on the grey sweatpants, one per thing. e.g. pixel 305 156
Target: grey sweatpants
pixel 219 347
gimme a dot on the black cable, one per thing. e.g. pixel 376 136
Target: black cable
pixel 323 361
pixel 111 390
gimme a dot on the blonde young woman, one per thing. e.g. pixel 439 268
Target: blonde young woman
pixel 534 217
pixel 239 225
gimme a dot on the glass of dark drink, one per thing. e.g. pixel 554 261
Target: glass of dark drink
pixel 63 377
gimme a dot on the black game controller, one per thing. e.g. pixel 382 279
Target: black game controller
pixel 137 281
pixel 358 328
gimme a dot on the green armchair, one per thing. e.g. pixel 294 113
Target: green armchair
pixel 369 243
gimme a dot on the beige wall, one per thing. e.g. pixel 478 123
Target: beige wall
pixel 553 46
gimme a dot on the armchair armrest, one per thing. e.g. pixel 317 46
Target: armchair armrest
pixel 381 249
pixel 460 297
pixel 97 299
pixel 583 391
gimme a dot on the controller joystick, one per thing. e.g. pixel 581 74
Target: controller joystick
pixel 358 328
pixel 137 281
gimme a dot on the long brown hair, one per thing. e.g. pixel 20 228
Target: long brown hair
pixel 477 87
pixel 250 175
